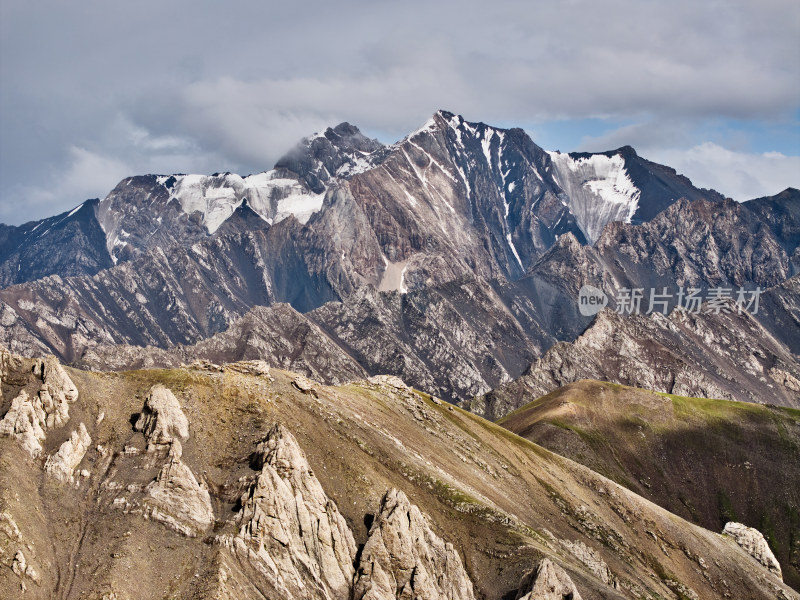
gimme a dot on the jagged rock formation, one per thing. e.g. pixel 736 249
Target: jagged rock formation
pixel 289 530
pixel 173 497
pixel 162 421
pixel 63 463
pixel 24 422
pixel 176 499
pixel 277 334
pixel 726 356
pixel 457 340
pixel 44 393
pixel 56 391
pixel 755 545
pixel 404 558
pixel 547 582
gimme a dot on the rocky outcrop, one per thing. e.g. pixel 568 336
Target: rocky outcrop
pixel 45 392
pixel 547 582
pixel 162 420
pixel 176 499
pixel 13 368
pixel 303 384
pixel 404 558
pixel 63 463
pixel 25 422
pixel 174 496
pixel 290 531
pixel 21 568
pixel 56 392
pixel 755 545
pixel 591 558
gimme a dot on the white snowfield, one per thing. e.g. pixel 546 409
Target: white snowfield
pixel 217 197
pixel 598 188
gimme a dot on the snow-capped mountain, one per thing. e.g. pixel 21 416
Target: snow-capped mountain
pixel 618 186
pixel 486 193
pixel 142 213
pixel 460 249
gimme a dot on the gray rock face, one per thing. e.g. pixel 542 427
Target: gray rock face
pixel 779 313
pixel 547 582
pixel 781 213
pixel 404 558
pixel 162 421
pixel 69 244
pixel 289 530
pixel 455 341
pixel 63 463
pixel 754 544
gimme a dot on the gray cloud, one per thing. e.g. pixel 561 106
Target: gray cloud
pixel 91 89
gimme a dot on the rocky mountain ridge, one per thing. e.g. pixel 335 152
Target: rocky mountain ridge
pixel 518 197
pixel 213 282
pixel 724 356
pixel 452 258
pixel 251 482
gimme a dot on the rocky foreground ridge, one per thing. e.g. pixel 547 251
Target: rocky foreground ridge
pixel 241 481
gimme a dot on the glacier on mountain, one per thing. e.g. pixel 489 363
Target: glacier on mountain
pixel 270 195
pixel 597 189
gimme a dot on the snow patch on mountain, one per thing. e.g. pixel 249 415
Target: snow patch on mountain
pixel 597 189
pixel 428 126
pixel 514 249
pixel 271 196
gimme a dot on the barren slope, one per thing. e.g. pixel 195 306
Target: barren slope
pixel 709 461
pixel 501 501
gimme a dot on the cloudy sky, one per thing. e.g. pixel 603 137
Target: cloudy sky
pixel 92 90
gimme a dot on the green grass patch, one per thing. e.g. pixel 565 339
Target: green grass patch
pixel 726 510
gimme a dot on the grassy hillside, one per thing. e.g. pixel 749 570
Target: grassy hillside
pixel 709 461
